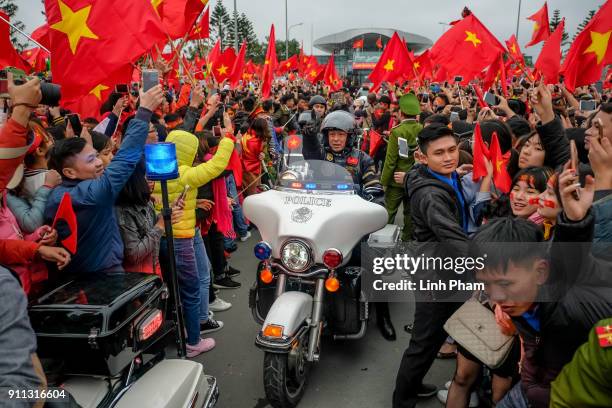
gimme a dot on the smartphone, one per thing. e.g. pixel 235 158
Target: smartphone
pixel 458 78
pixel 525 84
pixel 150 78
pixel 122 89
pixel 75 122
pixel 491 99
pixel 599 87
pixel 588 105
pixel 403 147
pixel 454 116
pixel 184 193
pixel 425 98
pixel 446 84
pixel 217 131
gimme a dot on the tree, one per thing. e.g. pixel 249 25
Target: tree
pixel 584 23
pixel 10 8
pixel 294 48
pixel 246 32
pixel 554 22
pixel 220 24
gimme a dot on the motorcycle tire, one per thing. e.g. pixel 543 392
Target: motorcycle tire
pixel 282 391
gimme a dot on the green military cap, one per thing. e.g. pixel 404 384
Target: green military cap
pixel 409 104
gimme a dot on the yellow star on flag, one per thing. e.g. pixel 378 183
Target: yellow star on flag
pixel 513 48
pixel 499 164
pixel 267 62
pixel 417 65
pixel 222 70
pixel 156 4
pixel 471 37
pixel 97 91
pixel 74 24
pixel 536 26
pixel 29 53
pixel 599 45
pixel 288 64
pixel 389 65
pixel 313 73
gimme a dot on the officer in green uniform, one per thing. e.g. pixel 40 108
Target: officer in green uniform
pixel 407 130
pixel 586 381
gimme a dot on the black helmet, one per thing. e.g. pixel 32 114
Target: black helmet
pixel 341 120
pixel 317 99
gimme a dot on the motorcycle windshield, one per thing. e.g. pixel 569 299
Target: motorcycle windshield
pixel 316 176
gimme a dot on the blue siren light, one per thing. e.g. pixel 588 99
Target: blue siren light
pixel 160 161
pixel 263 251
pixel 311 186
pixel 342 186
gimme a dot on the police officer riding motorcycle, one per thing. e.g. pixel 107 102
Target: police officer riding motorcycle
pixel 334 141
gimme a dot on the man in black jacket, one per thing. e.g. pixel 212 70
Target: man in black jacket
pixel 438 213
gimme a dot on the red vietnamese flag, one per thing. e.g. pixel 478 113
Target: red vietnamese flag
pixel 270 64
pixel 358 44
pixel 497 70
pixel 8 55
pixel 331 77
pixel 541 28
pixel 590 51
pixel 480 96
pixel 89 105
pixel 423 66
pixel 394 63
pixel 480 153
pixel 549 60
pixel 222 67
pixel 379 43
pixel 41 36
pixel 288 65
pixel 315 74
pixel 202 29
pixel 178 16
pixel 375 142
pixel 238 66
pixel 466 48
pixel 501 177
pixel 66 213
pixel 90 38
pixel 213 56
pixel 515 50
pixel 250 69
pixel 37 58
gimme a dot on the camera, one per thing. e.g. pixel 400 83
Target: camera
pixel 51 93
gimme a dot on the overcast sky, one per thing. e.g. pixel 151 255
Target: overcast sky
pixel 323 17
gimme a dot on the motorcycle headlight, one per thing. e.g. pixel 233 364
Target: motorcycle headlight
pixel 296 256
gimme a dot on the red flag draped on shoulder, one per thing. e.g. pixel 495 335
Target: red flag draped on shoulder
pixel 331 77
pixel 270 64
pixel 90 39
pixel 8 55
pixel 238 67
pixel 590 51
pixel 394 63
pixel 66 213
pixel 549 61
pixel 466 48
pixel 541 29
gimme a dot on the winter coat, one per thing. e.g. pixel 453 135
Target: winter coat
pixel 140 237
pixel 194 176
pixel 578 294
pixel 99 245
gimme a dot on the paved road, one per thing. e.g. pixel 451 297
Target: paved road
pixel 356 374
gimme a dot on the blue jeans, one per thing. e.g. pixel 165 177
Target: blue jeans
pixel 189 284
pixel 515 398
pixel 203 266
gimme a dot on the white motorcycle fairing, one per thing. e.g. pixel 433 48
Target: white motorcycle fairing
pixel 332 220
pixel 289 311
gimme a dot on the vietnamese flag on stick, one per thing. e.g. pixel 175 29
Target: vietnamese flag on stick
pixel 331 77
pixel 590 51
pixel 238 67
pixel 549 60
pixel 358 44
pixel 270 64
pixel 541 28
pixel 501 177
pixel 515 50
pixel 394 63
pixel 66 213
pixel 8 55
pixel 481 154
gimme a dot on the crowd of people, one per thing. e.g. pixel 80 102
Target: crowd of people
pixel 418 146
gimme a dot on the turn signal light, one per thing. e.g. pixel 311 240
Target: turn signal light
pixel 332 258
pixel 266 275
pixel 332 284
pixel 273 330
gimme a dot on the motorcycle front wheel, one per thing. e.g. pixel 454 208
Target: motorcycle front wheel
pixel 285 377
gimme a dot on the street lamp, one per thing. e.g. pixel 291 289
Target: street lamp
pixel 287 41
pixel 161 165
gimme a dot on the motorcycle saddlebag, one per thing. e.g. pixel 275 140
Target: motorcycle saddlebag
pixel 91 322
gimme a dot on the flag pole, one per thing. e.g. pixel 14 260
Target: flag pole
pixel 24 34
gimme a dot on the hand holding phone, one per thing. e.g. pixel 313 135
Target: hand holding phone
pixel 150 78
